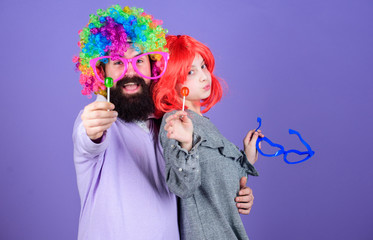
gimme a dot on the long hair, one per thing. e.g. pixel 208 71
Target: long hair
pixel 183 50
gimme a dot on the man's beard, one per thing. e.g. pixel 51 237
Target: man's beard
pixel 136 107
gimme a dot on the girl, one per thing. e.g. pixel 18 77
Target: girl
pixel 202 167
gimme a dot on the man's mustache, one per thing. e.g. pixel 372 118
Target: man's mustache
pixel 135 79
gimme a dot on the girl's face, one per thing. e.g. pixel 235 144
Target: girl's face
pixel 198 81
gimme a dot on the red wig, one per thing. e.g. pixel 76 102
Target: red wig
pixel 183 50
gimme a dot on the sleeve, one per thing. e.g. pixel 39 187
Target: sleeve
pixel 183 172
pixel 84 148
pixel 248 167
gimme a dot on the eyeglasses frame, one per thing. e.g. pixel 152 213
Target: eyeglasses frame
pixel 309 151
pixel 126 61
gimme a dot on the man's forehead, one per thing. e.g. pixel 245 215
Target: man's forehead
pixel 131 52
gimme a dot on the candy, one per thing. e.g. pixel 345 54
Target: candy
pixel 184 91
pixel 108 83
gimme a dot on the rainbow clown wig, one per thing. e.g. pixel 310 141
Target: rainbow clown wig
pixel 182 50
pixel 112 32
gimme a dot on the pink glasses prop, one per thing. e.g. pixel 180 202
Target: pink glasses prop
pixel 154 61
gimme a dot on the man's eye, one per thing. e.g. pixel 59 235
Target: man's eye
pixel 118 62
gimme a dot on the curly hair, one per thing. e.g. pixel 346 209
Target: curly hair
pixel 112 32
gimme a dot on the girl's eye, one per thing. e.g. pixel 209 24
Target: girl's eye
pixel 140 61
pixel 203 66
pixel 190 72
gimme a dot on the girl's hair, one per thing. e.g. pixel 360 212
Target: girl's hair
pixel 112 32
pixel 183 50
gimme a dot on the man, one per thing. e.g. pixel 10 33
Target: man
pixel 118 159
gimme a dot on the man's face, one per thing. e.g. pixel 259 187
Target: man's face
pixel 115 68
pixel 131 94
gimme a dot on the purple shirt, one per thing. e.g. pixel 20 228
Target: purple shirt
pixel 122 185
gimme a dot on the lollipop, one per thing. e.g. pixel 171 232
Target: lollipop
pixel 184 93
pixel 108 83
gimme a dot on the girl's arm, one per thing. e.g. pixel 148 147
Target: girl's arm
pixel 180 150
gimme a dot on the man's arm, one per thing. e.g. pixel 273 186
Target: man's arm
pixel 89 129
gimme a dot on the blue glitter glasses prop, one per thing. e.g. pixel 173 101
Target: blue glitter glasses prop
pixel 309 153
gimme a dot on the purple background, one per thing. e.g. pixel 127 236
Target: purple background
pixel 300 64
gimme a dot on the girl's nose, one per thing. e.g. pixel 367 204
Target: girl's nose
pixel 203 76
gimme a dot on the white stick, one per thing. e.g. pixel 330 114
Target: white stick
pixel 183 102
pixel 108 94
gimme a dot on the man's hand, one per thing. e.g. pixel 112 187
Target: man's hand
pixel 245 199
pixel 180 128
pixel 97 118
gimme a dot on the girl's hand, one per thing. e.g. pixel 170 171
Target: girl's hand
pixel 180 127
pixel 250 145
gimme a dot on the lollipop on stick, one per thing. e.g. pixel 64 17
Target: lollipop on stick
pixel 184 93
pixel 108 83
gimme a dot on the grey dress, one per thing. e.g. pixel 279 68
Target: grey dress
pixel 207 181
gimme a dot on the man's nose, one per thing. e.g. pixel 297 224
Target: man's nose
pixel 130 71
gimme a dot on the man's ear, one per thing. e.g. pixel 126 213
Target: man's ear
pixel 101 70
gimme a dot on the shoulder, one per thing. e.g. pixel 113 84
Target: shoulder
pixel 166 115
pixel 199 121
pixel 78 121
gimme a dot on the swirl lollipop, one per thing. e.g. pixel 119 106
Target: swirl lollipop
pixel 184 93
pixel 108 83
